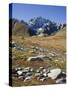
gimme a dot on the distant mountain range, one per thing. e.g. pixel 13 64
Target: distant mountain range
pixel 35 26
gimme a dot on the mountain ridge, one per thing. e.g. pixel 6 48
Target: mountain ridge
pixel 36 26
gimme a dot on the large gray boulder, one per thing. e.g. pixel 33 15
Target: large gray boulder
pixel 54 73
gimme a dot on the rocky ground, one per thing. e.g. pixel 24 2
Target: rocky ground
pixel 37 60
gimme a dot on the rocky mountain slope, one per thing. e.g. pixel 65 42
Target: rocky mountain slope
pixel 36 26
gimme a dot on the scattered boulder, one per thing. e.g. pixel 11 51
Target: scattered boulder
pixel 21 78
pixel 61 75
pixel 44 70
pixel 26 74
pixel 61 80
pixel 54 73
pixel 28 78
pixel 19 73
pixel 37 74
pixel 42 78
pixel 45 74
pixel 51 55
pixel 36 58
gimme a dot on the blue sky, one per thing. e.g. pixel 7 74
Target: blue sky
pixel 27 11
